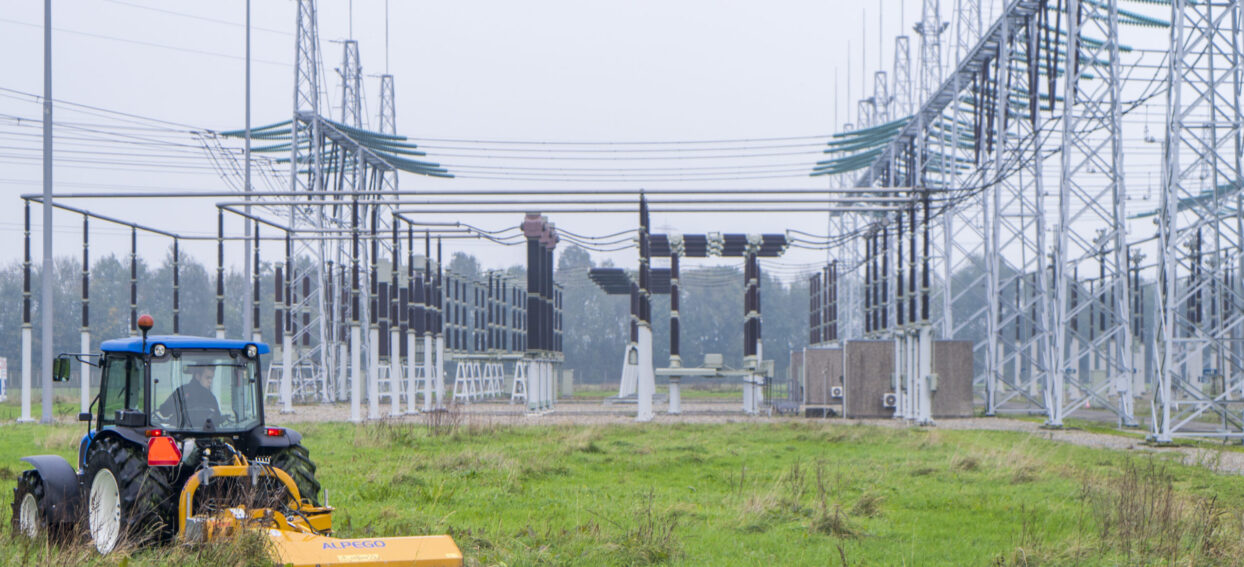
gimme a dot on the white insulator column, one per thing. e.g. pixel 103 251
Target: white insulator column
pixel 356 373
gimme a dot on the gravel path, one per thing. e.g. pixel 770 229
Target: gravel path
pixel 594 412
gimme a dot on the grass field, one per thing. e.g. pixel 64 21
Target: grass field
pixel 797 493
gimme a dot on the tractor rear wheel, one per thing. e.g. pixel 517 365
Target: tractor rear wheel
pixel 296 461
pixel 126 499
pixel 28 504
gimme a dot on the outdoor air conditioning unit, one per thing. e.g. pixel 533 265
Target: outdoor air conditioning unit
pixel 836 392
pixel 889 400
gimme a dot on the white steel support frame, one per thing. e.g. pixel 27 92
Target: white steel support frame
pixel 930 28
pixel 881 99
pixel 1092 222
pixel 1015 229
pixel 429 372
pixel 1199 367
pixel 305 153
pixel 412 371
pixel 903 101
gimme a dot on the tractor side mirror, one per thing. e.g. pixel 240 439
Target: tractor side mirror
pixel 60 369
pixel 84 416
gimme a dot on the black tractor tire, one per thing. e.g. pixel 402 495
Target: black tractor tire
pixel 148 498
pixel 31 484
pixel 296 461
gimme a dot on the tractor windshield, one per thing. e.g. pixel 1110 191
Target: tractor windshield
pixel 205 391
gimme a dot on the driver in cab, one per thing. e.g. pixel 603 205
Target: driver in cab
pixel 192 404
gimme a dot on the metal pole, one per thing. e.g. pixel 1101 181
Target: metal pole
pixel 249 320
pixel 45 302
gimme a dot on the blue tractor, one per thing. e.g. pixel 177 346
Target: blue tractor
pixel 169 409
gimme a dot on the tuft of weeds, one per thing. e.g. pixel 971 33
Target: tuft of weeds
pixel 245 549
pixel 444 421
pixel 583 441
pixel 1024 473
pixel 923 471
pixel 966 463
pixel 832 521
pixel 647 538
pixel 868 505
pixel 1141 516
pixel 388 434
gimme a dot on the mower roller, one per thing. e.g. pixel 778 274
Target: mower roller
pixel 177 451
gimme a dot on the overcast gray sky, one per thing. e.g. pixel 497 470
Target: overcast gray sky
pixel 553 71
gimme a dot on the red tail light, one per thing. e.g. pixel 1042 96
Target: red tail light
pixel 162 452
pixel 155 433
pixel 275 431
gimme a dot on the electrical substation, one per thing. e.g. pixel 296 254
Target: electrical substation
pixel 586 304
pixel 980 255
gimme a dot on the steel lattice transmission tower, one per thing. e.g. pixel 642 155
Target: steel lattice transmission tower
pixel 881 99
pixel 930 28
pixel 1199 358
pixel 305 330
pixel 903 102
pixel 1092 225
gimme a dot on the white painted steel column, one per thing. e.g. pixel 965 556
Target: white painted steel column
pixel 925 371
pixel 646 386
pixel 373 372
pixel 428 372
pixel 533 386
pixel 440 371
pixel 901 391
pixel 27 339
pixel 356 373
pixel 85 370
pixel 412 367
pixel 761 378
pixel 342 355
pixel 395 370
pixel 675 390
pixel 287 374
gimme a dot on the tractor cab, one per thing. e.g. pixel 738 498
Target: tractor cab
pixel 182 385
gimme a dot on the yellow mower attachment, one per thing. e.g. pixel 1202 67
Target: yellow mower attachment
pixel 298 537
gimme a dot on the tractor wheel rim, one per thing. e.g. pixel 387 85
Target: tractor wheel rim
pixel 105 513
pixel 28 519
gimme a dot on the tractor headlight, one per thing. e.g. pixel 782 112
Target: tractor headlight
pixel 251 351
pixel 158 351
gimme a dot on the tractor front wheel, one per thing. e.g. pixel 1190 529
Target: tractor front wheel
pixel 126 499
pixel 296 461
